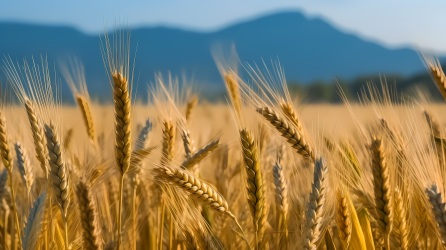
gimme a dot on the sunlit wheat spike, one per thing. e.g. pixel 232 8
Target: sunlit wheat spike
pixel 24 165
pixel 123 122
pixel 58 168
pixel 254 180
pixel 4 146
pixel 289 111
pixel 201 154
pixel 68 138
pixel 438 75
pixel 38 135
pixel 382 188
pixel 438 206
pixel 316 205
pixel 168 140
pixel 281 190
pixel 88 214
pixel 34 223
pixel 88 118
pixel 187 142
pixel 294 137
pixel 194 187
pixel 190 107
pixel 401 226
pixel 234 91
pixel 343 218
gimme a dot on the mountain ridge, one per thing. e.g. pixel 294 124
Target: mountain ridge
pixel 308 49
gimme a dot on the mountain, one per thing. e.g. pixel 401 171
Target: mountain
pixel 308 49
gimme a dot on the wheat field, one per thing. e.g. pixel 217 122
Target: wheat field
pixel 261 171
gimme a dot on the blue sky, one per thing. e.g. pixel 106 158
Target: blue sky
pixel 392 23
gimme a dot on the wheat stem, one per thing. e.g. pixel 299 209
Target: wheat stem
pixel 121 184
pixel 161 226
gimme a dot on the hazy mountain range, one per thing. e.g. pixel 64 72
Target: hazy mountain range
pixel 308 49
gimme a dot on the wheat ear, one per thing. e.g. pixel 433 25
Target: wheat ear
pixel 84 105
pixel 88 215
pixel 281 190
pixel 234 92
pixel 254 181
pixel 289 111
pixel 168 140
pixel 438 207
pixel 58 173
pixel 382 189
pixel 401 227
pixel 38 136
pixel 316 205
pixel 34 223
pixel 190 107
pixel 187 142
pixel 8 162
pixel 123 131
pixel 201 154
pixel 343 218
pixel 196 188
pixel 439 77
pixel 68 138
pixel 24 167
pixel 294 137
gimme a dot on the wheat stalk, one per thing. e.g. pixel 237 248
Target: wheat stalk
pixel 88 215
pixel 316 205
pixel 123 130
pixel 343 218
pixel 281 190
pixel 58 173
pixel 294 137
pixel 382 188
